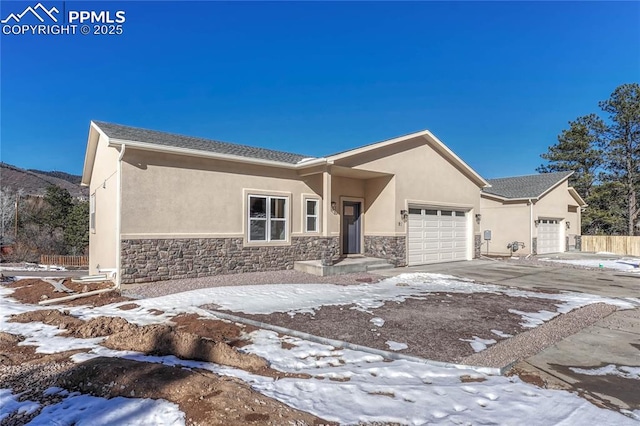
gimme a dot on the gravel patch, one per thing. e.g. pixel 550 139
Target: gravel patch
pixel 30 381
pixel 163 288
pixel 534 341
pixel 431 326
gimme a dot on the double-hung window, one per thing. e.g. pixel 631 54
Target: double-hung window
pixel 267 218
pixel 311 215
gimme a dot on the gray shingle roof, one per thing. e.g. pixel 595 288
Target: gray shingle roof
pixel 135 134
pixel 531 186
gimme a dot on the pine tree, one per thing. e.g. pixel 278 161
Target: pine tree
pixel 76 231
pixel 578 150
pixel 622 149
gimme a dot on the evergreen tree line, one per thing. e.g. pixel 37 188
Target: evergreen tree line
pixel 603 151
pixel 54 224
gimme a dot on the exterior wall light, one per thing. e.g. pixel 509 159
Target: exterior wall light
pixel 333 206
pixel 478 218
pixel 404 214
pixel 536 222
pixel 568 225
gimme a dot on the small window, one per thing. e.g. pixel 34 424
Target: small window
pixel 446 213
pixel 460 214
pixel 92 213
pixel 415 211
pixel 431 212
pixel 311 215
pixel 267 218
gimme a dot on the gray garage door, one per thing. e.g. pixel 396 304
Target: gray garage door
pixel 436 235
pixel 549 236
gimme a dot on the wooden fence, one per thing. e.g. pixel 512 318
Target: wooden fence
pixel 623 245
pixel 52 259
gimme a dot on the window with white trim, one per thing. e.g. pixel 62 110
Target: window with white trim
pixel 92 213
pixel 311 209
pixel 267 218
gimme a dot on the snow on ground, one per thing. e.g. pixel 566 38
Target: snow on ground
pixel 534 319
pixel 396 346
pixel 33 267
pixel 610 370
pixel 347 386
pixel 9 404
pixel 266 299
pixel 377 321
pixel 81 410
pixel 478 344
pixel 626 264
pixel 501 333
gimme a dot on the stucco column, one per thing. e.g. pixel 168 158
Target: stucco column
pixel 326 202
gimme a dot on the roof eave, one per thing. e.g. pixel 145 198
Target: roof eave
pixel 90 154
pixel 577 197
pixel 212 155
pixel 501 198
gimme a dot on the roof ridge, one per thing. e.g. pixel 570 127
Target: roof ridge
pixel 532 175
pixel 527 186
pixel 196 140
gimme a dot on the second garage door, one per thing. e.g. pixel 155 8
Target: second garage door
pixel 436 235
pixel 549 236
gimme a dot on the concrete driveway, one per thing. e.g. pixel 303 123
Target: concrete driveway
pixel 536 275
pixel 602 353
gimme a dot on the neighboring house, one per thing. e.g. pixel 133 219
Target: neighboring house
pixel 168 206
pixel 541 211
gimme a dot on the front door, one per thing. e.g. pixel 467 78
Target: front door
pixel 351 227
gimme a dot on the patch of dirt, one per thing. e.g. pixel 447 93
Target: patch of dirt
pixel 34 290
pixel 220 331
pixel 12 353
pixel 102 326
pixel 161 339
pixel 471 379
pixel 95 327
pixel 128 306
pixel 98 299
pixel 527 375
pixel 205 398
pixel 207 342
pixel 431 325
pixel 54 317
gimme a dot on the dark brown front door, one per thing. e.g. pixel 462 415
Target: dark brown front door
pixel 351 236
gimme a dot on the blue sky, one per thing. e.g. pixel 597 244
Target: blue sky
pixel 495 81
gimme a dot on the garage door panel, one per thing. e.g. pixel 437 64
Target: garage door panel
pixel 436 235
pixel 549 236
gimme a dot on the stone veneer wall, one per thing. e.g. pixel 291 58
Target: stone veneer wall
pixel 146 260
pixel 477 246
pixel 390 248
pixel 579 242
pixel 534 245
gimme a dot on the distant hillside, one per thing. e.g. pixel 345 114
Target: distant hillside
pixel 35 182
pixel 75 179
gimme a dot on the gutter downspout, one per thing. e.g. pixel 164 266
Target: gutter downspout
pixel 530 227
pixel 118 215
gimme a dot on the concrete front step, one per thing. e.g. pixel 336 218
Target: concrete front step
pixel 346 265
